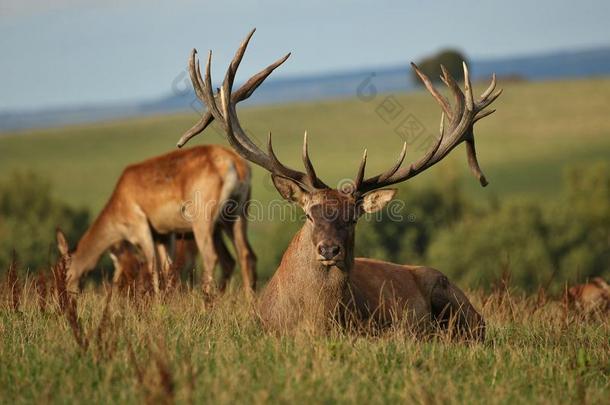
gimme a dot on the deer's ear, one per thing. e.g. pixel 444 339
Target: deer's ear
pixel 376 200
pixel 290 189
pixel 62 243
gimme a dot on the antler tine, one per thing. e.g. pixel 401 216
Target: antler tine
pixel 471 154
pixel 227 83
pixel 279 165
pixel 237 137
pixel 311 173
pixel 468 88
pixel 425 161
pixel 360 174
pixel 461 120
pixel 195 74
pixel 244 92
pixel 483 114
pixel 491 87
pixel 490 99
pixel 393 169
pixel 252 84
pixel 280 168
pixel 208 93
pixel 442 101
pixel 198 128
pixel 226 113
pixel 457 93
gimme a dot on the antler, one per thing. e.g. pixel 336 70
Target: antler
pixel 226 114
pixel 461 120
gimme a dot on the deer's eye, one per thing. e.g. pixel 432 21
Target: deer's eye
pixel 308 217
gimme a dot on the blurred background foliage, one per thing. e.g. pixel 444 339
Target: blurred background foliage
pixel 548 243
pixel 451 59
pixel 29 215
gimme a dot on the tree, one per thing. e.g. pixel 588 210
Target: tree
pixel 431 66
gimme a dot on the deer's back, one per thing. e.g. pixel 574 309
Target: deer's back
pixel 159 187
pixel 591 296
pixel 388 291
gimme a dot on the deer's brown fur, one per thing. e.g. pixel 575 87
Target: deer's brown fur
pixel 591 296
pixel 181 191
pixel 307 290
pixel 176 254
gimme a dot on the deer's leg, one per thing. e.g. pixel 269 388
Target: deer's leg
pixel 451 307
pixel 142 237
pixel 116 262
pixel 203 231
pixel 185 253
pixel 164 254
pixel 227 263
pixel 238 233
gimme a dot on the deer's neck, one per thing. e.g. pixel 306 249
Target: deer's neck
pixel 302 289
pixel 97 239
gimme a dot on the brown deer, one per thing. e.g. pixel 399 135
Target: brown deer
pixel 203 190
pixel 318 273
pixel 590 297
pixel 176 254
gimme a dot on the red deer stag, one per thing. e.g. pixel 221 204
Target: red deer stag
pixel 318 274
pixel 202 190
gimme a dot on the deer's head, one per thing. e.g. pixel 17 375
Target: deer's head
pixel 331 217
pixel 331 213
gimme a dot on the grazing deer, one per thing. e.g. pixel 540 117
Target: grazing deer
pixel 176 254
pixel 318 273
pixel 203 190
pixel 590 297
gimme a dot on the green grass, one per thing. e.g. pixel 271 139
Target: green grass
pixel 533 354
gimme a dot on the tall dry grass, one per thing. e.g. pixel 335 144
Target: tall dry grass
pixel 110 346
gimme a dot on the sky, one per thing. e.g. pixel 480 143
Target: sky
pixel 81 52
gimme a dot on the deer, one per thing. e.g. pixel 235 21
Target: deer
pixel 203 190
pixel 318 278
pixel 176 254
pixel 590 297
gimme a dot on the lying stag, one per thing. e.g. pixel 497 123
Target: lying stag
pixel 318 275
pixel 203 190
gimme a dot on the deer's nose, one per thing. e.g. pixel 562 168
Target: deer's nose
pixel 329 251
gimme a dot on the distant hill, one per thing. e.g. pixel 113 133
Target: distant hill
pixel 556 65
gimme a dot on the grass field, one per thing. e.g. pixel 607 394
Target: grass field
pixel 175 350
pixel 535 352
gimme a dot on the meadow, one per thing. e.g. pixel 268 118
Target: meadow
pixel 524 148
pixel 539 128
pixel 173 349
